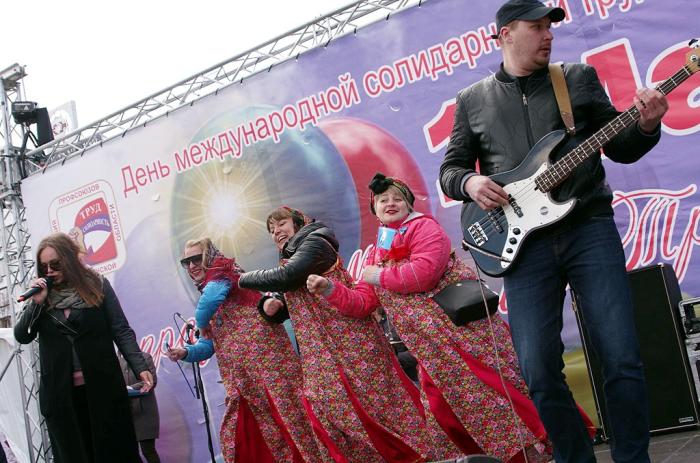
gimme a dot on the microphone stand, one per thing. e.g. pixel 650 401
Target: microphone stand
pixel 199 386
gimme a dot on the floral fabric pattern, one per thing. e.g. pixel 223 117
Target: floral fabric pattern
pixel 335 348
pixel 435 341
pixel 257 362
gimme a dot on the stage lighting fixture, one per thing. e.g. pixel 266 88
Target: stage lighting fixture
pixel 24 112
pixel 11 76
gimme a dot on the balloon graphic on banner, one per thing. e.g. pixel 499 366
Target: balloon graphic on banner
pixel 368 149
pixel 229 200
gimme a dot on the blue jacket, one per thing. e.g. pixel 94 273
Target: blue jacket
pixel 213 295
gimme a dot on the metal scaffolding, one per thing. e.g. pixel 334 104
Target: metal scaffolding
pixel 16 262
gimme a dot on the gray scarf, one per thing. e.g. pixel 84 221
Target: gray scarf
pixel 67 298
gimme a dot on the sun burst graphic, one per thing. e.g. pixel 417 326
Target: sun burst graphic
pixel 229 200
pixel 223 203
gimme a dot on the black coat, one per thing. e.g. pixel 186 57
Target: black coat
pixel 144 408
pixel 312 250
pixel 96 329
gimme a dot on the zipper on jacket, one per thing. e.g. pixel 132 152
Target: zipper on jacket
pixel 65 325
pixel 528 127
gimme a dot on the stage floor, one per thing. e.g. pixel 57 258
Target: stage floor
pixel 682 447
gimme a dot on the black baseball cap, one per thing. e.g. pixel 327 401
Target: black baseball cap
pixel 528 10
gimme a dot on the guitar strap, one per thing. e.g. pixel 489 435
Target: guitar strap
pixel 562 93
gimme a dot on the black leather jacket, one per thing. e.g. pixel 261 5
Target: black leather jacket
pixel 497 123
pixel 313 249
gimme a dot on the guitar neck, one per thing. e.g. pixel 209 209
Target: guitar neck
pixel 560 170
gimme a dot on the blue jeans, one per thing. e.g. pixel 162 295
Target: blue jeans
pixel 588 256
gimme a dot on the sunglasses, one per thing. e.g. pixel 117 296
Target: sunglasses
pixel 55 265
pixel 186 261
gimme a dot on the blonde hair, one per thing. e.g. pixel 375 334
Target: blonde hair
pixel 205 244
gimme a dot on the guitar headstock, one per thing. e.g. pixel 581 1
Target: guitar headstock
pixel 692 58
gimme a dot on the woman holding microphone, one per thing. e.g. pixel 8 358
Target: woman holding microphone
pixel 82 394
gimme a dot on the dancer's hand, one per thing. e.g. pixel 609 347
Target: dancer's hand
pixel 316 284
pixel 205 331
pixel 370 274
pixel 176 354
pixel 272 306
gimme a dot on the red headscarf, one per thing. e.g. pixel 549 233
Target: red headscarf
pixel 219 267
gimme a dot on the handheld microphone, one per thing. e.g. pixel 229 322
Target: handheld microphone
pixel 35 289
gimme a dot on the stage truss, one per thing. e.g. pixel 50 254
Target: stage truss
pixel 16 261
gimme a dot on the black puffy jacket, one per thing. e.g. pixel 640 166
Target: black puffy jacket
pixel 313 249
pixel 497 122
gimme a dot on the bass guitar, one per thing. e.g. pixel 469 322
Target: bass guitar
pixel 495 237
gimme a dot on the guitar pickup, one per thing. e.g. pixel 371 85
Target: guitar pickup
pixel 493 218
pixel 514 204
pixel 477 234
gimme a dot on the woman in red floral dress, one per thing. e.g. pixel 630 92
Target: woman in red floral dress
pixel 265 420
pixel 469 374
pixel 356 394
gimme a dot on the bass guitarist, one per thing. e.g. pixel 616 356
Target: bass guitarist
pixel 497 121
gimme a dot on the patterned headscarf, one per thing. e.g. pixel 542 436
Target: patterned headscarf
pixel 209 254
pixel 216 265
pixel 219 267
pixel 380 183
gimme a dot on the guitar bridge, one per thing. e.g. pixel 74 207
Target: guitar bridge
pixel 477 234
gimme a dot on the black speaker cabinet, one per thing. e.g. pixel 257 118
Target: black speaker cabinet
pixel 673 403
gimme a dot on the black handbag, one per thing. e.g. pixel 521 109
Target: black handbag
pixel 463 302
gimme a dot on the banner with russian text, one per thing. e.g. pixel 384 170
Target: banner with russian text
pixel 312 132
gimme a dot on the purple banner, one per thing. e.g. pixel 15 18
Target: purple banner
pixel 312 132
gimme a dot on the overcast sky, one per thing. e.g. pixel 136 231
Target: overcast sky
pixel 107 55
